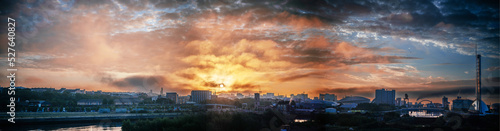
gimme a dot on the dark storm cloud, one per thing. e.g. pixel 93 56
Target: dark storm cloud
pixel 457 21
pixel 323 51
pixel 398 16
pixel 315 55
pixel 247 86
pixel 141 81
pixel 294 77
pixel 453 83
pixel 379 59
pixel 490 87
pixel 7 7
pixel 189 76
pixel 146 83
pixel 337 90
pixel 456 91
pixel 58 28
pixel 490 81
pixel 104 77
pixel 363 91
pixel 211 84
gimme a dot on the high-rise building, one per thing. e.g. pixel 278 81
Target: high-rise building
pixel 398 102
pixel 270 95
pixel 327 97
pixel 172 96
pixel 183 99
pixel 200 95
pixel 301 97
pixel 383 96
pixel 161 92
pixel 257 99
pixel 445 102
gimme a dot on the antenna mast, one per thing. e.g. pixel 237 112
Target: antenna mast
pixel 478 81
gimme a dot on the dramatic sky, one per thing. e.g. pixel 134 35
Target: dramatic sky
pixel 424 48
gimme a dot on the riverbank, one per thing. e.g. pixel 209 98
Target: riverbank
pixel 69 117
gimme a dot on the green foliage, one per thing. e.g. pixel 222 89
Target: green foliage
pixel 202 121
pixel 55 98
pixel 391 116
pixel 375 107
pixel 344 119
pixel 164 101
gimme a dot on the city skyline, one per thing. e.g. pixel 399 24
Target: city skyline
pixel 422 48
pixel 302 96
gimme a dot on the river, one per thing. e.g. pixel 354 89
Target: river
pixel 108 126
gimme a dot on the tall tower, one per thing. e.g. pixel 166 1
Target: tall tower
pixel 478 82
pixel 161 92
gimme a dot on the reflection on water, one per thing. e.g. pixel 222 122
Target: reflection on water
pixel 90 128
pixel 114 126
pixel 425 114
pixel 301 120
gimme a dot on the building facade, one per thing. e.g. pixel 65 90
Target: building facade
pixel 257 99
pixel 200 95
pixel 327 97
pixel 383 96
pixel 460 104
pixel 445 103
pixel 399 102
pixel 89 102
pixel 173 96
pixel 270 95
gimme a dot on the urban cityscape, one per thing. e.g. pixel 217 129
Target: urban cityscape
pixel 294 110
pixel 250 65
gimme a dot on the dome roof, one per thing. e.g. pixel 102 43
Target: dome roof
pixel 474 107
pixel 355 99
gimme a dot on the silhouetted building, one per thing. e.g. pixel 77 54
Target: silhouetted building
pixel 445 103
pixel 89 102
pixel 200 95
pixel 161 92
pixel 301 97
pixel 257 99
pixel 398 102
pixel 270 95
pixel 183 99
pixel 172 96
pixel 328 97
pixel 127 101
pixel 42 89
pixel 39 103
pixel 495 107
pixel 383 96
pixel 460 104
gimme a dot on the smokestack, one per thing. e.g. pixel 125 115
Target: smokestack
pixel 478 82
